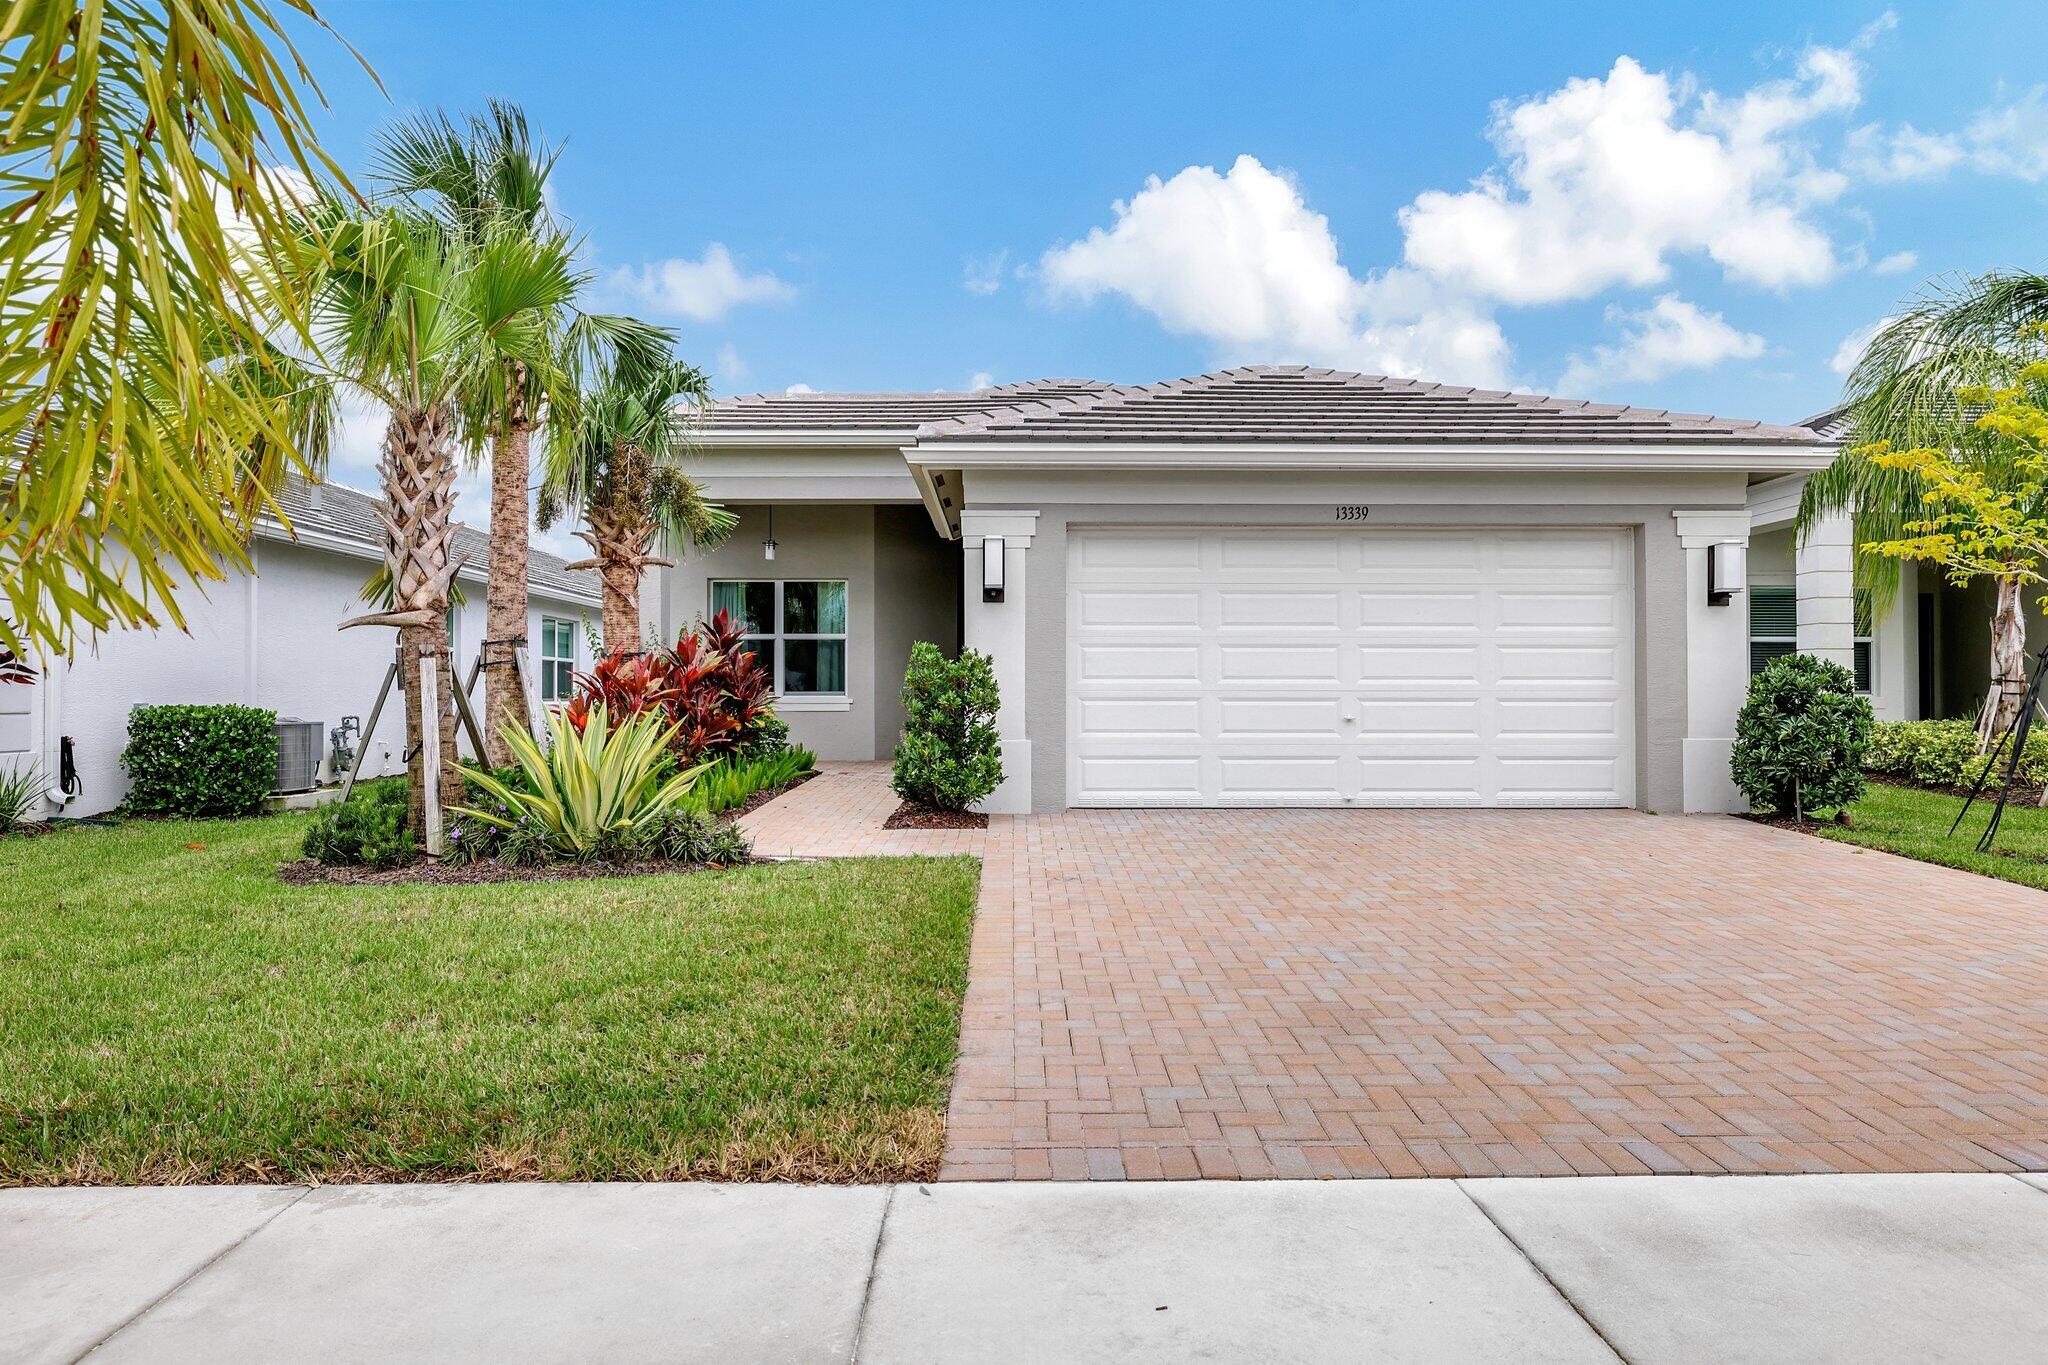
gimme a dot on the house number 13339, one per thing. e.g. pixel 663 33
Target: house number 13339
pixel 1352 512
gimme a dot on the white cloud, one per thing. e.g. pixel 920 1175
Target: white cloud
pixel 799 388
pixel 703 290
pixel 1240 259
pixel 982 379
pixel 984 274
pixel 732 367
pixel 2003 139
pixel 1898 263
pixel 1851 350
pixel 1670 335
pixel 1607 179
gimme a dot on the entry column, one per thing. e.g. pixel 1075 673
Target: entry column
pixel 996 628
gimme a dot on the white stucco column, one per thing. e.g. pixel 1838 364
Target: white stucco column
pixel 1824 565
pixel 1716 661
pixel 997 630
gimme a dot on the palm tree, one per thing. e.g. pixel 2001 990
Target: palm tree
pixel 489 175
pixel 409 314
pixel 619 463
pixel 1902 392
pixel 144 209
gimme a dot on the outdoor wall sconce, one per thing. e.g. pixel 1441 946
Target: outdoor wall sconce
pixel 1727 572
pixel 768 545
pixel 992 569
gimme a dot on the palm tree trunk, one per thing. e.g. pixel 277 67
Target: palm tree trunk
pixel 505 595
pixel 620 539
pixel 418 470
pixel 2008 664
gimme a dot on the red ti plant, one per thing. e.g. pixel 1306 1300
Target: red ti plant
pixel 710 684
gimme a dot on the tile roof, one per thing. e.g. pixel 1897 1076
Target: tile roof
pixel 876 412
pixel 1832 425
pixel 1296 403
pixel 345 513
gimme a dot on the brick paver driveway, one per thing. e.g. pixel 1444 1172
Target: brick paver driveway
pixel 1475 993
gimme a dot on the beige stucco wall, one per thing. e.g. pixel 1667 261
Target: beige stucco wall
pixel 901 586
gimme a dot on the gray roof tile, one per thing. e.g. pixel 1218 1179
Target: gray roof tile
pixel 874 412
pixel 1297 403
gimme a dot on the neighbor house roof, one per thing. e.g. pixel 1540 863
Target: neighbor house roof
pixel 1832 425
pixel 901 413
pixel 337 513
pixel 1259 404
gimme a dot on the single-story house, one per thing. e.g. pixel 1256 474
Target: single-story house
pixel 1277 585
pixel 269 639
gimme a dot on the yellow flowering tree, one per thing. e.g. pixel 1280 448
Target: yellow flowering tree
pixel 1983 511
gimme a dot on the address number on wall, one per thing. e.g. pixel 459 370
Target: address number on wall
pixel 1352 512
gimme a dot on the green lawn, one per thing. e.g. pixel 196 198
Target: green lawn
pixel 170 1011
pixel 1912 822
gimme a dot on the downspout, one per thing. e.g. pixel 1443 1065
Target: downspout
pixel 249 677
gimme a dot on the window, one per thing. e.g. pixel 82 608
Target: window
pixel 557 659
pixel 1774 629
pixel 797 629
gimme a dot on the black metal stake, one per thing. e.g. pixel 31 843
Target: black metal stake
pixel 2017 730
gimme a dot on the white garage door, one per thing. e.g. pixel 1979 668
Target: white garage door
pixel 1255 666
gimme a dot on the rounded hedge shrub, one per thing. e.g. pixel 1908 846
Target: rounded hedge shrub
pixel 367 830
pixel 1800 740
pixel 1943 753
pixel 949 757
pixel 200 760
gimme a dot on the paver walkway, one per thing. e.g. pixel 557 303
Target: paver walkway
pixel 1471 993
pixel 839 814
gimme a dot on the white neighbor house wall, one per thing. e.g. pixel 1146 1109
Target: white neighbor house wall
pixel 267 640
pixel 1822 568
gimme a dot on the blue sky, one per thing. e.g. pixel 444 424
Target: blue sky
pixel 1688 207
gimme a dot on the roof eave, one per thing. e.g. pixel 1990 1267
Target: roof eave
pixel 1748 456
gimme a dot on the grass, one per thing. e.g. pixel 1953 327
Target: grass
pixel 1915 822
pixel 171 1012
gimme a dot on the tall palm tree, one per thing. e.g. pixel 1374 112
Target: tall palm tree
pixel 1902 391
pixel 489 174
pixel 144 208
pixel 619 463
pixel 409 314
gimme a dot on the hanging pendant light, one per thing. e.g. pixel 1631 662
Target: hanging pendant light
pixel 768 545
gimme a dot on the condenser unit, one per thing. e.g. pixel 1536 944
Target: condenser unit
pixel 299 743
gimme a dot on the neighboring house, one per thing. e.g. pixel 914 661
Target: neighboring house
pixel 1928 656
pixel 1268 586
pixel 269 639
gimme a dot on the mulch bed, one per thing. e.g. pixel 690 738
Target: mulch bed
pixel 917 815
pixel 762 798
pixel 306 872
pixel 2023 793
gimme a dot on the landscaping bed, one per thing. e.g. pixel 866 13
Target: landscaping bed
pixel 917 815
pixel 172 1012
pixel 308 872
pixel 1913 822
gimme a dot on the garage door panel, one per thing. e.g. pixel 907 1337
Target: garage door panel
pixel 1279 609
pixel 1418 611
pixel 1149 609
pixel 1301 667
pixel 1265 663
pixel 1319 719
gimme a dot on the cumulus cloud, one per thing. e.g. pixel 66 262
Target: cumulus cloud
pixel 1670 335
pixel 799 388
pixel 2004 139
pixel 732 366
pixel 1898 263
pixel 1603 182
pixel 981 379
pixel 984 274
pixel 1240 259
pixel 1851 350
pixel 702 290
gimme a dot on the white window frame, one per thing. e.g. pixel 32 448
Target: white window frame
pixel 800 701
pixel 547 661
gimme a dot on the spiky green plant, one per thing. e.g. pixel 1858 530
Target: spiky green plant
pixel 592 794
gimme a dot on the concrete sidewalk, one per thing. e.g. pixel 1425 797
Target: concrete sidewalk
pixel 1648 1270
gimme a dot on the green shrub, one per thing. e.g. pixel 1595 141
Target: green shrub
pixel 1943 753
pixel 767 737
pixel 1801 737
pixel 594 793
pixel 200 760
pixel 727 784
pixel 363 831
pixel 949 756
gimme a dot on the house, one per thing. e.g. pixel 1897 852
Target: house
pixel 269 639
pixel 1272 585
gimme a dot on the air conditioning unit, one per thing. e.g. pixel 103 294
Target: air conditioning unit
pixel 299 743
